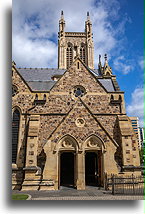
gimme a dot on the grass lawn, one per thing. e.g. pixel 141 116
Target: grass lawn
pixel 19 197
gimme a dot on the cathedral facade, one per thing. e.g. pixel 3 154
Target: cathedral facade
pixel 69 125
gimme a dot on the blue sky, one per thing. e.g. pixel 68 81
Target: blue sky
pixel 117 31
pixel 134 46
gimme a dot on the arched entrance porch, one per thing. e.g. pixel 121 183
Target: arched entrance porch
pixel 67 163
pixel 94 161
pixel 67 169
pixel 93 167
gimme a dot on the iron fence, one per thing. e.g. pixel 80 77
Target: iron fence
pixel 127 185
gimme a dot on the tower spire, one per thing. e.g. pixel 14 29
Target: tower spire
pixel 100 65
pixel 107 69
pixel 61 42
pixel 99 59
pixel 89 38
pixel 88 24
pixel 62 17
pixel 106 59
pixel 61 23
pixel 88 16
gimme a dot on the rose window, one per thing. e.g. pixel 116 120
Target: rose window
pixel 79 91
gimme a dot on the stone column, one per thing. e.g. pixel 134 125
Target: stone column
pixel 32 172
pixel 80 170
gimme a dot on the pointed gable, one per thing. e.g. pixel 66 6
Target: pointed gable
pixel 80 123
pixel 78 74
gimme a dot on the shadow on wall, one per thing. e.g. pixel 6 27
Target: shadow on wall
pixel 41 159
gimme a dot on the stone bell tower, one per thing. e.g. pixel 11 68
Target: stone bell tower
pixel 72 44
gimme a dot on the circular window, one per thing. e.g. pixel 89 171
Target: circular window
pixel 80 122
pixel 79 91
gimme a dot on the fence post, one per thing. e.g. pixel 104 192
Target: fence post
pixel 113 185
pixel 133 184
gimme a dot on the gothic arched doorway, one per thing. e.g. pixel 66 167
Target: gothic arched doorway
pixel 67 169
pixel 67 149
pixel 94 167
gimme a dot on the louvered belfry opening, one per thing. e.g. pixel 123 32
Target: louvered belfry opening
pixel 69 55
pixel 15 134
pixel 82 53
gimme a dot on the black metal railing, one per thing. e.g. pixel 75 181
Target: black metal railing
pixel 127 185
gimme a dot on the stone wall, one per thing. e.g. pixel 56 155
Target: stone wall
pixel 48 124
pixel 63 114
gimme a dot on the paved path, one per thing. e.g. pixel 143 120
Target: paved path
pixel 91 193
pixel 91 198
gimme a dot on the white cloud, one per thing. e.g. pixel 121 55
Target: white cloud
pixel 141 63
pixel 35 27
pixel 34 53
pixel 136 108
pixel 123 65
